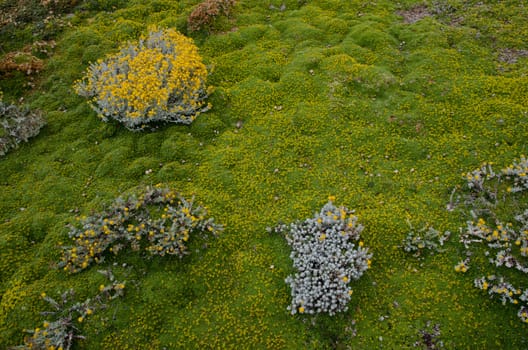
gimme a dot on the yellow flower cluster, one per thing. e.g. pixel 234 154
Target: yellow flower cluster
pixel 501 235
pixel 521 166
pixel 162 78
pixel 461 267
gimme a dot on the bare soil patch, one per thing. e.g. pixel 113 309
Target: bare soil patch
pixel 414 14
pixel 511 55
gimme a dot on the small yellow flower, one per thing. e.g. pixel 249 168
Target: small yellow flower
pixel 331 198
pixel 101 287
pixel 89 311
pixel 80 319
pixel 361 243
pixel 322 237
pixel 301 309
pixel 345 279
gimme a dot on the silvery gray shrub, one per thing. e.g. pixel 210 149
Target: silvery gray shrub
pixel 17 124
pixel 425 239
pixel 327 255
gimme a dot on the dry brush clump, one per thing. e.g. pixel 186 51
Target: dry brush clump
pixel 26 60
pixel 20 12
pixel 203 17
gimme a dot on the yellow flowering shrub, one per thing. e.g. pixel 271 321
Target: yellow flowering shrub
pixel 492 194
pixel 60 329
pixel 160 79
pixel 160 221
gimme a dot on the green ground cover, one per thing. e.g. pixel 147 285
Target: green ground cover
pixel 382 104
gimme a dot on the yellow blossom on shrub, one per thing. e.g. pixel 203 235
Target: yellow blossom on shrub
pixel 161 78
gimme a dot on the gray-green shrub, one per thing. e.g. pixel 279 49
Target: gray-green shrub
pixel 326 259
pixel 17 124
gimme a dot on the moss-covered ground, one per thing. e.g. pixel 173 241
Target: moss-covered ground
pixel 383 104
